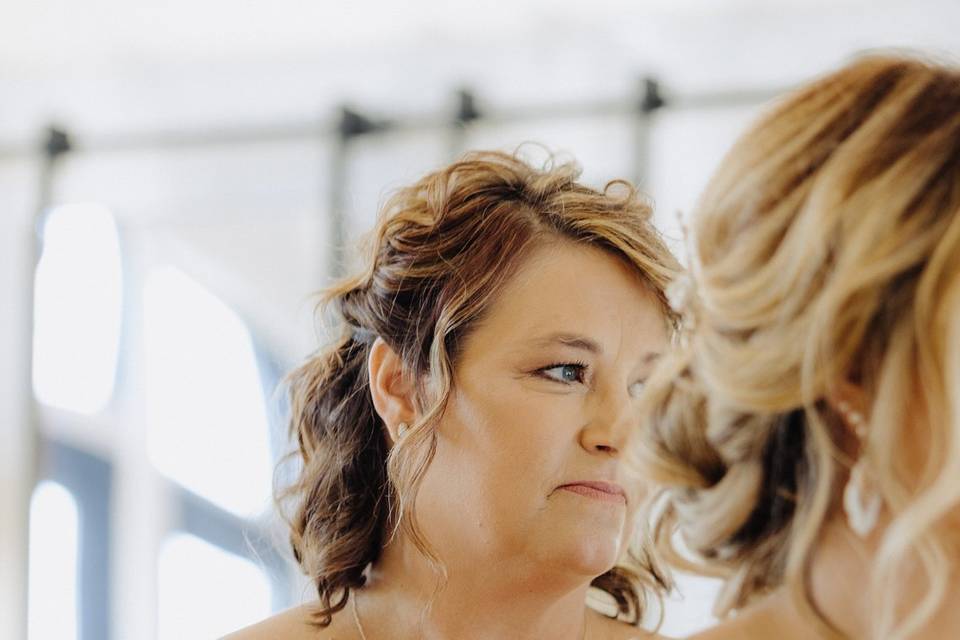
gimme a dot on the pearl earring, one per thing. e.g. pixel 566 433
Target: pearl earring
pixel 402 429
pixel 861 502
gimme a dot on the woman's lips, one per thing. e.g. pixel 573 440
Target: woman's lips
pixel 603 491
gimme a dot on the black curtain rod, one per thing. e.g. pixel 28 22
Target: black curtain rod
pixel 350 123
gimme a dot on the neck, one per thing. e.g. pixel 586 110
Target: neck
pixel 839 581
pixel 482 598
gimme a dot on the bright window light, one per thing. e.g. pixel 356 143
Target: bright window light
pixel 689 609
pixel 206 592
pixel 207 420
pixel 53 579
pixel 77 309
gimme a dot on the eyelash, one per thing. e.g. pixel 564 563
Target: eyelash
pixel 580 366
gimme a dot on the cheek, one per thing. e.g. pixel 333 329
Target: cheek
pixel 639 488
pixel 631 520
pixel 501 448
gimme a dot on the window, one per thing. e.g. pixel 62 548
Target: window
pixel 53 578
pixel 207 421
pixel 206 592
pixel 687 147
pixel 77 308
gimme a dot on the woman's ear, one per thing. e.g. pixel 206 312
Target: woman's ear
pixel 391 387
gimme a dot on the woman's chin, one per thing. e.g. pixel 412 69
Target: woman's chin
pixel 587 550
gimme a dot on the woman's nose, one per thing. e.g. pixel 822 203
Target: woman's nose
pixel 609 426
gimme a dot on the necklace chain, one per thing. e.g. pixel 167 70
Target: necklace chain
pixel 363 635
pixel 356 616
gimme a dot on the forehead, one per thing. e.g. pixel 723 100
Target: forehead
pixel 570 287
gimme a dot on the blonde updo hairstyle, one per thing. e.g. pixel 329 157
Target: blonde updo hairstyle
pixel 825 251
pixel 442 250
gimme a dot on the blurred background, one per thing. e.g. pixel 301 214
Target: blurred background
pixel 177 179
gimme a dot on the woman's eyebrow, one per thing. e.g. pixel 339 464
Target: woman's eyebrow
pixel 570 340
pixel 589 345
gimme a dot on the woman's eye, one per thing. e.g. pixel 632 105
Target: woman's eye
pixel 566 373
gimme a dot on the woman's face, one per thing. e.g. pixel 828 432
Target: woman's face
pixel 527 467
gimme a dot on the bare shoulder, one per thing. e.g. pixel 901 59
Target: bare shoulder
pixel 605 628
pixel 764 621
pixel 770 617
pixel 736 630
pixel 719 632
pixel 295 624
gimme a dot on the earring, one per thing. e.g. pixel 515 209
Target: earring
pixel 861 502
pixel 402 429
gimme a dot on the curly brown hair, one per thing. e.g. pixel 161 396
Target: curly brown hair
pixel 442 250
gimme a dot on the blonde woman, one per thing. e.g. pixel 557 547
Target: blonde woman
pixel 807 432
pixel 461 438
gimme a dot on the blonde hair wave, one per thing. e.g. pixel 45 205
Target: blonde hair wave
pixel 825 249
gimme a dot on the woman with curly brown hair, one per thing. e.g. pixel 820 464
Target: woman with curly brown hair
pixel 807 432
pixel 460 438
